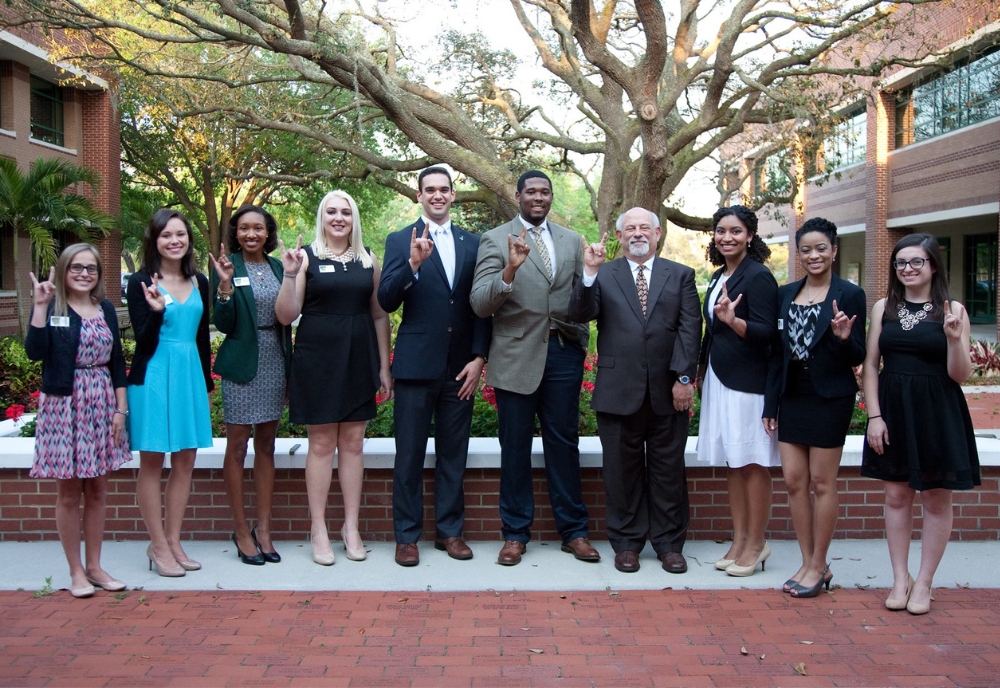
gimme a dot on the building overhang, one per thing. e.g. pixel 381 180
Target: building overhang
pixel 39 62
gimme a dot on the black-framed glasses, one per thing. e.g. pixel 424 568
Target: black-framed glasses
pixel 77 268
pixel 915 263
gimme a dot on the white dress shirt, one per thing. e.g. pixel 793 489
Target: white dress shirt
pixel 444 242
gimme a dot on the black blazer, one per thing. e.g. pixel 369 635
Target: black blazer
pixel 56 348
pixel 439 331
pixel 830 360
pixel 741 363
pixel 637 354
pixel 146 324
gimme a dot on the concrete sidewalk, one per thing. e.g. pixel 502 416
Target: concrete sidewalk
pixel 855 564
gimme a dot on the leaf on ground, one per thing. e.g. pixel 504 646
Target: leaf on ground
pixel 800 668
pixel 562 597
pixel 535 650
pixel 763 656
pixel 837 558
pixel 963 585
pixel 806 642
pixel 361 631
pixel 743 650
pixel 667 588
pixel 232 618
pixel 525 628
pixel 218 586
pixel 855 558
pixel 404 599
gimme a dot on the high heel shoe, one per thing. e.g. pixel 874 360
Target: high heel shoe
pixel 736 570
pixel 353 554
pixel 110 585
pixel 918 609
pixel 322 559
pixel 163 569
pixel 723 564
pixel 270 557
pixel 253 559
pixel 800 591
pixel 789 584
pixel 190 564
pixel 897 604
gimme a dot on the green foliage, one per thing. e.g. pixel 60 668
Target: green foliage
pixel 45 590
pixel 19 376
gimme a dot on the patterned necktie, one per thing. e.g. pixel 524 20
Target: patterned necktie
pixel 642 288
pixel 543 251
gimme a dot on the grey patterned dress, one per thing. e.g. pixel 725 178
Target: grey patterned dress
pixel 262 399
pixel 801 329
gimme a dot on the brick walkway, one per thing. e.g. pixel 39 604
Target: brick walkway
pixel 654 638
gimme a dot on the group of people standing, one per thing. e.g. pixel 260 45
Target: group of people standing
pixel 775 368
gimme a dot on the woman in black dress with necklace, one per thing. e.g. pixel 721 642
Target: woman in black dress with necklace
pixel 920 435
pixel 811 394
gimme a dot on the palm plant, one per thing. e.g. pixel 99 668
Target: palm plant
pixel 43 201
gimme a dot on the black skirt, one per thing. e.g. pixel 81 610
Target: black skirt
pixel 804 417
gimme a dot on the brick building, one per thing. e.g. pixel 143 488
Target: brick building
pixel 43 116
pixel 919 151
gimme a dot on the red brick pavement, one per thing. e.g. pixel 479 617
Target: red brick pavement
pixel 652 638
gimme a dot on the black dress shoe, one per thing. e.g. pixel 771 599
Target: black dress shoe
pixel 627 561
pixel 269 557
pixel 674 562
pixel 253 559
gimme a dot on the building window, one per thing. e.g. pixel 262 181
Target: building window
pixel 848 143
pixel 46 112
pixel 770 176
pixel 967 94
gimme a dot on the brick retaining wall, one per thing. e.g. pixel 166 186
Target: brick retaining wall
pixel 27 506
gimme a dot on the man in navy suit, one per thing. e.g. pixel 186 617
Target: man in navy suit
pixel 441 347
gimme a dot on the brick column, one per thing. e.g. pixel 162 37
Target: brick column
pixel 100 150
pixel 879 239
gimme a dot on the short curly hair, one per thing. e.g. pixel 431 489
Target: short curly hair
pixel 817 224
pixel 757 249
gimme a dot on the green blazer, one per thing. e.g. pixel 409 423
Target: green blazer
pixel 237 319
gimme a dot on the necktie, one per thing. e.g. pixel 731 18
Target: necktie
pixel 446 251
pixel 642 288
pixel 543 251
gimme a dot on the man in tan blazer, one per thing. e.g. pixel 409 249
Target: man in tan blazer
pixel 525 274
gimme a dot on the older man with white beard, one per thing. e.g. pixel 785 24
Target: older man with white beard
pixel 649 329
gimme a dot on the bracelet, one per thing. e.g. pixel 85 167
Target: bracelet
pixel 224 298
pixel 293 275
pixel 124 412
pixel 878 416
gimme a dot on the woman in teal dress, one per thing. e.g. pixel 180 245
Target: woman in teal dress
pixel 170 381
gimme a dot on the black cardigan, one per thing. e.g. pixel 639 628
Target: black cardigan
pixel 147 323
pixel 56 348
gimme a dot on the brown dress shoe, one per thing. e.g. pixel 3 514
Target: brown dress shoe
pixel 627 561
pixel 582 549
pixel 510 554
pixel 407 554
pixel 455 547
pixel 674 562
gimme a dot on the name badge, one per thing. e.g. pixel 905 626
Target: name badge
pixel 241 281
pixel 59 321
pixel 167 299
pixel 327 268
pixel 781 324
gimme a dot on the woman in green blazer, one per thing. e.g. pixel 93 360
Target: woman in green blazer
pixel 253 364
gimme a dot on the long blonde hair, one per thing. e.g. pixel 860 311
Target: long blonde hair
pixel 319 243
pixel 62 267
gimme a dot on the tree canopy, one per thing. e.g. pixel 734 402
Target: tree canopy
pixel 637 95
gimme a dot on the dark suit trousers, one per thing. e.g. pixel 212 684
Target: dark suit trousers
pixel 416 402
pixel 556 402
pixel 644 479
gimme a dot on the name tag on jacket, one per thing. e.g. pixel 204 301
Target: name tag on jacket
pixel 241 281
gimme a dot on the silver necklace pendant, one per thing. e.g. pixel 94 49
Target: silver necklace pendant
pixel 908 320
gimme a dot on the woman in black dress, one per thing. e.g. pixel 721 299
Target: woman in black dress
pixel 339 362
pixel 920 435
pixel 811 394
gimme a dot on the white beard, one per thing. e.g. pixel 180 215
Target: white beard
pixel 638 248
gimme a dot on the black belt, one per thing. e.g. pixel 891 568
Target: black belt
pixel 89 366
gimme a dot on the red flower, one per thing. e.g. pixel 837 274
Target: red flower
pixel 14 412
pixel 861 405
pixel 379 398
pixel 588 385
pixel 490 395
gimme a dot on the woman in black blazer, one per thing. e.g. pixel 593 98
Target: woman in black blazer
pixel 253 364
pixel 741 324
pixel 811 393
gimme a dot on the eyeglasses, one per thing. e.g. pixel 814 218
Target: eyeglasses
pixel 77 268
pixel 915 263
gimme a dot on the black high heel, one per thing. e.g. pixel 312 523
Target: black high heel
pixel 269 557
pixel 253 559
pixel 799 591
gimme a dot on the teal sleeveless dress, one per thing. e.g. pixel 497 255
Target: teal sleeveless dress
pixel 170 411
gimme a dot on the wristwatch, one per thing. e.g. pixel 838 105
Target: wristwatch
pixel 684 379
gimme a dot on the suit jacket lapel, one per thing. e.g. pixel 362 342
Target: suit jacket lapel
pixel 623 276
pixel 458 237
pixel 246 293
pixel 786 305
pixel 435 256
pixel 661 270
pixel 835 293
